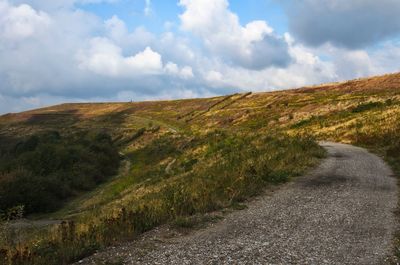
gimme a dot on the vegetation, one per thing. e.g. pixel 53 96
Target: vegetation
pixel 181 159
pixel 216 177
pixel 44 170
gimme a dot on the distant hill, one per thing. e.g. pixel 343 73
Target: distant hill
pixel 261 111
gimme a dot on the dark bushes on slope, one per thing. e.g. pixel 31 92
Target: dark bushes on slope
pixel 40 172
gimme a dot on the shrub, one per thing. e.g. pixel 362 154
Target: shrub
pixel 40 172
pixel 367 106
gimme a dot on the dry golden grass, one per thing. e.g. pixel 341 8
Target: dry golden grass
pixel 364 112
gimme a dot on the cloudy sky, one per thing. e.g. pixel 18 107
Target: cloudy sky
pixel 54 51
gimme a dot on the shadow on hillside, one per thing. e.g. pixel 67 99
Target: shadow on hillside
pixel 54 119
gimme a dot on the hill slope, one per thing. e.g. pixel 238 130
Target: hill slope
pixel 180 157
pixel 291 109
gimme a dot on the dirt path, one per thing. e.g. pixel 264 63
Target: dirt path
pixel 341 213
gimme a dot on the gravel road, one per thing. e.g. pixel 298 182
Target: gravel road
pixel 340 213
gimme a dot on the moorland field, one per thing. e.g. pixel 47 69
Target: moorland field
pixel 111 171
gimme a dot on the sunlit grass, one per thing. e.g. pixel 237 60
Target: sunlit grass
pixel 230 169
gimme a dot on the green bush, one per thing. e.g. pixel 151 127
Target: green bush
pixel 368 106
pixel 44 170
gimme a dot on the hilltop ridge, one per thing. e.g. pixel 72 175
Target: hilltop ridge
pixel 239 111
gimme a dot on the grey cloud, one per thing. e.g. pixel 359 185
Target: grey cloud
pixel 351 24
pixel 270 51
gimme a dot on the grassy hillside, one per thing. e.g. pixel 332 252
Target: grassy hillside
pixel 184 157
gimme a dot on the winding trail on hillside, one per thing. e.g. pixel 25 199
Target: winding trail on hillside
pixel 340 213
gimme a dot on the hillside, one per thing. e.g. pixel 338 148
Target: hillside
pixel 179 158
pixel 376 96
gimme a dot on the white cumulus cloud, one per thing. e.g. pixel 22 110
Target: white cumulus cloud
pixel 185 72
pixel 105 58
pixel 252 46
pixel 22 21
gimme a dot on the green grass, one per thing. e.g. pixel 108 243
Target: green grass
pixel 195 221
pixel 199 188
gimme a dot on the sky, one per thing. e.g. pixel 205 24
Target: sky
pixel 55 51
